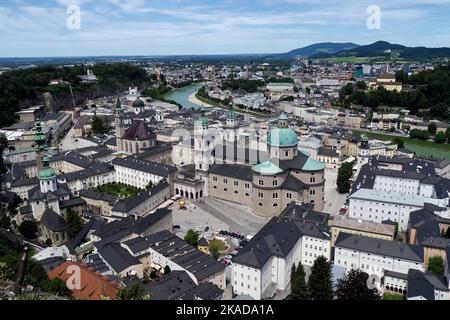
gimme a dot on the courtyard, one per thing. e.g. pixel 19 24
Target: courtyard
pixel 119 190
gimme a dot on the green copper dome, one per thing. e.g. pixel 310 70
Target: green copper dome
pixel 267 168
pixel 282 138
pixel 202 121
pixel 283 116
pixel 231 114
pixel 47 173
pixel 313 165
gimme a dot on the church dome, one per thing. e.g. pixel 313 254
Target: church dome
pixel 282 138
pixel 47 173
pixel 138 103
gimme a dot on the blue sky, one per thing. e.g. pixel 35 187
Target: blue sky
pixel 154 27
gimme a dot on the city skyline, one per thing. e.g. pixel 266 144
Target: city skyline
pixel 154 28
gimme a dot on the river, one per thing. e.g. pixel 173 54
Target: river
pixel 181 95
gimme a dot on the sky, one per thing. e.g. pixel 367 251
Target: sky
pixel 30 28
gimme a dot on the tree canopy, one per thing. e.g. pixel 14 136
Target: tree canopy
pixel 320 282
pixel 345 172
pixel 436 265
pixel 191 237
pixel 354 287
pixel 299 289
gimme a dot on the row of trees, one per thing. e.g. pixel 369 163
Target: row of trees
pixel 353 286
pixel 345 172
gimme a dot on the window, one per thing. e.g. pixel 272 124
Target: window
pixel 261 182
pixel 289 195
pixel 225 181
pixel 275 195
pixel 260 195
pixel 312 192
pixel 286 153
pixel 214 178
pixel 312 180
pixel 275 182
pixel 247 185
pixel 236 183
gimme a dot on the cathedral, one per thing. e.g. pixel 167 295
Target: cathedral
pixel 269 186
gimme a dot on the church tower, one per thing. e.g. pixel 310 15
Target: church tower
pixel 363 153
pixel 203 150
pixel 39 143
pixel 120 125
pixel 47 176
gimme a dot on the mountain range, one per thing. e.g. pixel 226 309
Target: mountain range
pixel 376 49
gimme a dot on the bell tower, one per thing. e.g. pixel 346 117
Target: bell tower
pixel 120 125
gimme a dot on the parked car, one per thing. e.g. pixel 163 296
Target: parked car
pixel 206 229
pixel 176 226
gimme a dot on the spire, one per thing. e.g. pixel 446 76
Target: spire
pixel 118 104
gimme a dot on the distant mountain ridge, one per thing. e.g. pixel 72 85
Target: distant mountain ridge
pixel 319 48
pixel 384 48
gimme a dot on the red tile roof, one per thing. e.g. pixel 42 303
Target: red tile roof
pixel 93 286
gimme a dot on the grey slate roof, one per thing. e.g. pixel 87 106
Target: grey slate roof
pixel 53 221
pixel 237 171
pixel 185 255
pixel 177 285
pixel 117 257
pixel 379 246
pixel 424 284
pixel 276 238
pixel 135 163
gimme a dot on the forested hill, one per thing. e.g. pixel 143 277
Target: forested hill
pixel 23 88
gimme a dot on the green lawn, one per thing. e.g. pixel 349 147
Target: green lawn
pixel 391 296
pixel 118 189
pixel 420 147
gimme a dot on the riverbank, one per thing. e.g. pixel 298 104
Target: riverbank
pixel 193 98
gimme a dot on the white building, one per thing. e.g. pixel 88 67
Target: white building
pixel 375 256
pixel 264 265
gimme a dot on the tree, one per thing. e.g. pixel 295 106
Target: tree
pixel 74 222
pixel 48 242
pixel 436 265
pixel 345 172
pixel 28 229
pixel 58 287
pixel 398 142
pixel 354 287
pixel 98 126
pixel 214 250
pixel 440 137
pixel 167 270
pixel 132 292
pixel 320 283
pixel 419 134
pixel 5 221
pixel 299 289
pixel 432 128
pixel 191 237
